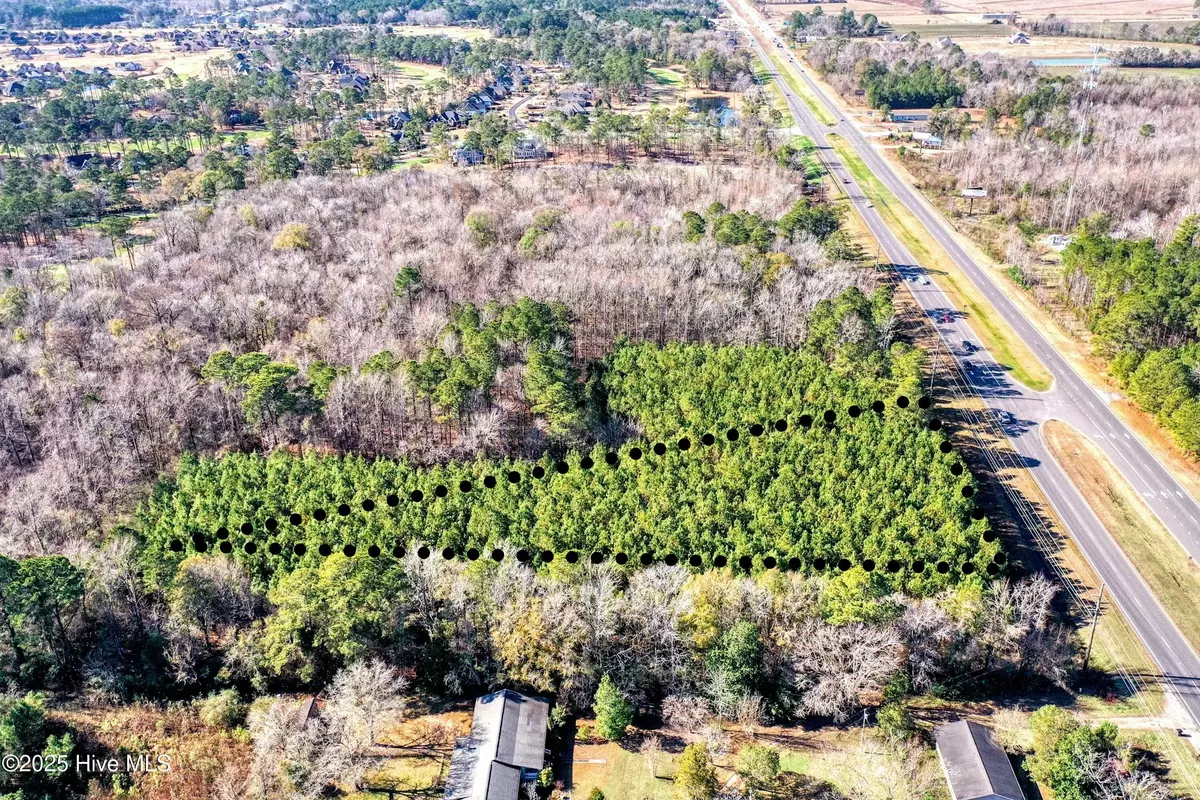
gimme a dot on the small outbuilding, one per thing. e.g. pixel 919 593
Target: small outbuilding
pixel 976 766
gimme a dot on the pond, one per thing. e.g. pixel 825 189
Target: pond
pixel 718 106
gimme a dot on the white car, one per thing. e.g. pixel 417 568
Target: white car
pixel 923 280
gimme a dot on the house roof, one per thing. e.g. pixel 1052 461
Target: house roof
pixel 508 734
pixel 976 767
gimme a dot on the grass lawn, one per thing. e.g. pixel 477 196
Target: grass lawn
pixel 813 169
pixel 1159 558
pixel 664 76
pixel 1182 761
pixel 1009 351
pixel 620 773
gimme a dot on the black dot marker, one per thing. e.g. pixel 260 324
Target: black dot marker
pixel 769 562
pixel 660 449
pixel 695 560
pixel 344 510
pixel 295 519
pixel 472 554
pixel 572 557
pixel 781 425
pixel 611 459
pixel 597 557
pixel 250 547
pixel 945 447
pixel 447 553
pixel 830 417
pixel 226 547
pixel 393 501
pixel 464 486
pixel 547 556
pixel 968 568
pixel 635 453
pixel 685 444
pixel 497 554
pixel 935 424
pixel 956 469
pixel 992 569
pixel 989 536
pixel 373 551
pixel 272 523
pixel 855 412
pixel 539 472
pixel 720 561
pixel 924 402
pixel 707 439
pixel 325 550
pixel 621 559
pixel 299 548
pixel 756 430
pixel 586 462
pixel 422 552
pixel 349 550
pixel 176 546
pixel 1000 558
pixel 893 566
pixel 902 401
pixel 843 564
pixel 819 564
pixel 671 560
pixel 222 533
pixel 523 556
pixel 440 491
pixel 489 482
pixel 943 567
pixel 877 406
pixel 246 529
pixel 918 566
pixel 561 467
pixel 416 496
pixel 398 551
pixel 746 563
pixel 968 491
pixel 647 559
pixel 794 564
pixel 319 515
pixel 274 548
pixel 976 513
pixel 732 435
pixel 869 565
pixel 806 420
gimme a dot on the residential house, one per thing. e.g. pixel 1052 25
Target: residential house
pixel 506 748
pixel 975 765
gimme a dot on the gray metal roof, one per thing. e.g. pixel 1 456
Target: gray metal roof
pixel 508 733
pixel 976 767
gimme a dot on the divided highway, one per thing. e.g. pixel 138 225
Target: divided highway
pixel 1020 411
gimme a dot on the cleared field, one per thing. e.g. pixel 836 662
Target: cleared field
pixel 1162 563
pixel 1009 351
pixel 161 56
pixel 453 31
pixel 1051 46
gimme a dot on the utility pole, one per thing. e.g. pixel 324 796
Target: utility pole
pixel 1095 619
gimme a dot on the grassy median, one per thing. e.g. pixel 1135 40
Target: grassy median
pixel 803 92
pixel 1008 350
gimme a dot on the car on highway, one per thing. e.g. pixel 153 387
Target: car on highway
pixel 845 180
pixel 870 205
pixel 968 346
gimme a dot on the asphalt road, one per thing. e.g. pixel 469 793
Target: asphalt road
pixel 1020 411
